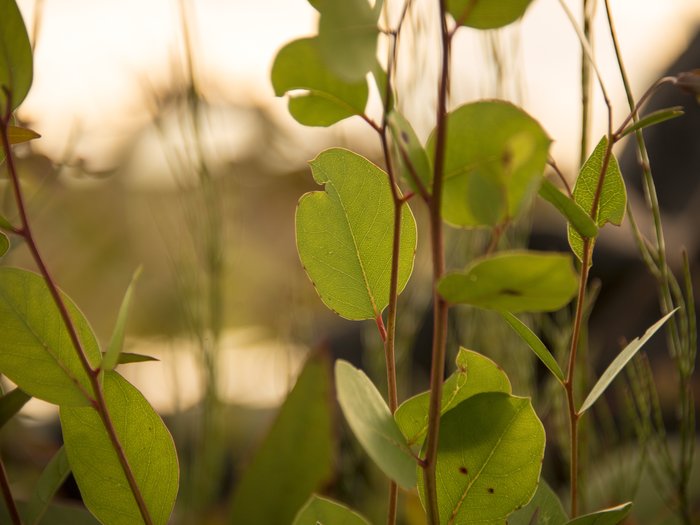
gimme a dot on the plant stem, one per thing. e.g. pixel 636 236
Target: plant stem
pixel 7 496
pixel 437 366
pixel 98 403
pixel 585 82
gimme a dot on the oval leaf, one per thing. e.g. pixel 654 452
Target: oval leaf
pixel 322 511
pixel 36 351
pixel 475 374
pixel 4 244
pixel 15 55
pixel 514 281
pixel 653 118
pixel 494 160
pixel 373 426
pixel 620 361
pixel 347 36
pixel 295 458
pixel 611 516
pixel 344 235
pixel 19 135
pixel 328 99
pixel 613 197
pixel 486 14
pixel 147 445
pixel 535 344
pixel 573 213
pixel 544 508
pixel 490 453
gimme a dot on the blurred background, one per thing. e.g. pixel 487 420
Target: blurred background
pixel 163 146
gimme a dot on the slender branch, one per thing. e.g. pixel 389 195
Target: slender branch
pixel 7 496
pixel 98 403
pixel 555 167
pixel 635 108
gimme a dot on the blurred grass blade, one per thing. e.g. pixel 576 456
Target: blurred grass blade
pixel 11 403
pixel 534 342
pixel 653 118
pixel 116 343
pixel 620 361
pixel 574 213
pixel 611 516
pixel 50 481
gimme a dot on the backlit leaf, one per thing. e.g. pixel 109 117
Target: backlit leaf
pixel 116 343
pixel 374 427
pixel 490 452
pixel 326 98
pixel 513 281
pixel 611 516
pixel 147 445
pixel 296 456
pixel 36 351
pixel 573 213
pixel 486 14
pixel 613 197
pixel 322 511
pixel 344 235
pixel 15 56
pixel 494 161
pixel 545 507
pixel 620 361
pixel 51 479
pixel 475 374
pixel 413 160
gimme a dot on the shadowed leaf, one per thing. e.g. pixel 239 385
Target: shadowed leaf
pixel 544 506
pixel 51 479
pixel 322 511
pixel 486 14
pixel 15 56
pixel 573 213
pixel 20 135
pixel 11 403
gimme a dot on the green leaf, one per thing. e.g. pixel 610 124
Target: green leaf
pixel 11 403
pixel 344 235
pixel 494 161
pixel 620 361
pixel 653 118
pixel 475 374
pixel 327 99
pixel 55 515
pixel 296 457
pixel 486 14
pixel 147 445
pixel 611 516
pixel 36 351
pixel 535 344
pixel 347 36
pixel 4 223
pixel 116 343
pixel 4 244
pixel 490 453
pixel 613 197
pixel 373 426
pixel 15 56
pixel 51 479
pixel 514 281
pixel 126 358
pixel 544 508
pixel 413 159
pixel 573 213
pixel 19 135
pixel 322 511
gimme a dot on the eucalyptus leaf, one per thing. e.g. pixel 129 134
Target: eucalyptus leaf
pixel 347 36
pixel 51 479
pixel 413 159
pixel 345 234
pixel 15 56
pixel 486 14
pixel 573 213
pixel 653 118
pixel 322 511
pixel 11 403
pixel 4 244
pixel 544 508
pixel 19 135
pixel 326 99
pixel 495 156
pixel 296 456
pixel 373 425
pixel 36 351
pixel 611 516
pixel 116 343
pixel 613 197
pixel 148 448
pixel 475 374
pixel 490 452
pixel 513 281
pixel 620 361
pixel 535 344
